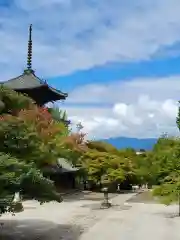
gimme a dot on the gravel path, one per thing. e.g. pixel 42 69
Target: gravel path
pixel 141 221
pixel 53 221
pixel 84 220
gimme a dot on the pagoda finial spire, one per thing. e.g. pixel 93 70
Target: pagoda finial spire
pixel 29 54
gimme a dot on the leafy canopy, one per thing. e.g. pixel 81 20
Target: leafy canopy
pixel 28 141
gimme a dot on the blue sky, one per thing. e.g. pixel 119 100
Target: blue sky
pixel 116 71
pixel 118 60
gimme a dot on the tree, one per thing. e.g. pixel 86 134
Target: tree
pixel 127 152
pixel 28 141
pixel 104 167
pixel 12 102
pixel 22 141
pixel 178 119
pixel 20 176
pixel 166 158
pixel 74 147
pixel 22 156
pixel 41 120
pixel 145 168
pixel 58 114
pixel 169 189
pixel 101 146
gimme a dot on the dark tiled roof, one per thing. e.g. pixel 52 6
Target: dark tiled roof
pixel 28 80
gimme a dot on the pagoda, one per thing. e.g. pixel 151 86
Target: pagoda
pixel 28 83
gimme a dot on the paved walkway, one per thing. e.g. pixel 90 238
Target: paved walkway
pixel 141 221
pixel 84 220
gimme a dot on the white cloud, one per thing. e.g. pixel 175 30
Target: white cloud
pixel 74 34
pixel 143 90
pixel 140 108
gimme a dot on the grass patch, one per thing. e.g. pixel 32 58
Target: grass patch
pixel 144 197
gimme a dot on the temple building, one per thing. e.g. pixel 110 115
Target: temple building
pixel 28 83
pixel 63 173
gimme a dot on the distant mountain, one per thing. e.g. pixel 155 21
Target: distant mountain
pixel 136 143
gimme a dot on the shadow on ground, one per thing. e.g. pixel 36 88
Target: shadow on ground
pixel 35 229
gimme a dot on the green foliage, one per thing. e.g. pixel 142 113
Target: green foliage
pixel 101 146
pixel 104 163
pixel 22 140
pixel 74 147
pixel 178 119
pixel 58 114
pixel 12 102
pixel 50 132
pixel 166 169
pixel 164 143
pixel 161 167
pixel 28 142
pixel 33 137
pixel 127 152
pixel 146 169
pixel 20 176
pixel 169 190
pixel 18 139
pixel 103 166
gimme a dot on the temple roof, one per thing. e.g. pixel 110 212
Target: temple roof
pixel 35 88
pixel 62 166
pixel 65 165
pixel 26 80
pixel 28 83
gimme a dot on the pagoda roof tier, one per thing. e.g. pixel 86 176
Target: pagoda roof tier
pixel 28 83
pixel 37 89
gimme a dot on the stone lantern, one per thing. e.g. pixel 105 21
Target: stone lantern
pixel 105 203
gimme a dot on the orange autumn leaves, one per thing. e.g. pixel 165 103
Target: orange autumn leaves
pixel 76 142
pixel 41 120
pixel 53 133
